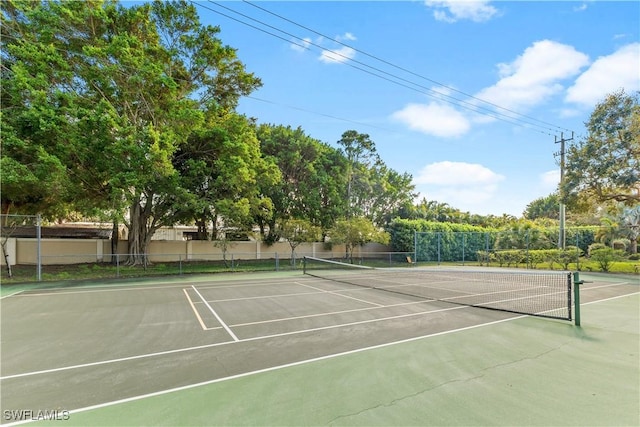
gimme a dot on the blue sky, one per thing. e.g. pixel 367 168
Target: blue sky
pixel 443 68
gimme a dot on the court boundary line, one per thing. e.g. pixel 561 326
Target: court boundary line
pixel 293 364
pixel 205 346
pixel 10 295
pixel 224 325
pixel 272 368
pixel 60 290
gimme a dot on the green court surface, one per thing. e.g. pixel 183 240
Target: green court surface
pixel 439 367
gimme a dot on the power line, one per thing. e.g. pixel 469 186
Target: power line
pixel 401 68
pixel 425 90
pixel 317 113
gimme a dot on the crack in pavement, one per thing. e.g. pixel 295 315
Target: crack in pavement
pixel 453 381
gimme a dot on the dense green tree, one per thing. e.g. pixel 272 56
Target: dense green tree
pixel 221 167
pixel 543 207
pixel 117 91
pixel 312 173
pixel 604 166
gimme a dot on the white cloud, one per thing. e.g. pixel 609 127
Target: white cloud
pixel 338 55
pixel 455 10
pixel 580 8
pixel 535 75
pixel 607 74
pixel 460 184
pixel 301 46
pixel 457 174
pixel 433 119
pixel 346 36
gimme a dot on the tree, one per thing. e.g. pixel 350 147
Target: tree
pixel 604 166
pixel 312 176
pixel 630 225
pixel 354 232
pixel 374 190
pixel 361 154
pixel 543 207
pixel 221 167
pixel 297 231
pixel 117 91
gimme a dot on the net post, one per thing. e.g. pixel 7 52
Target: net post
pixel 304 264
pixel 576 296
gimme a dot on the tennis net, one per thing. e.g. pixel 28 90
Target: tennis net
pixel 544 294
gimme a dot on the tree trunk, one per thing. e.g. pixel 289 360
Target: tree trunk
pixel 115 238
pixel 6 257
pixel 137 238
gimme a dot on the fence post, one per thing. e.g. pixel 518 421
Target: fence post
pixel 415 247
pixel 464 243
pixel 277 262
pixel 117 265
pixel 39 247
pixel 578 251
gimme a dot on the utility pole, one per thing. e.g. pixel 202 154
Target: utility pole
pixel 562 236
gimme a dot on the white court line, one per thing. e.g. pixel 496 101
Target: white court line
pixel 140 287
pixel 273 368
pixel 224 325
pixel 331 313
pixel 204 327
pixel 262 296
pixel 585 287
pixel 201 347
pixel 609 299
pixel 339 294
pixel 10 295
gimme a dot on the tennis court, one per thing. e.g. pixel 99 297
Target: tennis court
pixel 294 349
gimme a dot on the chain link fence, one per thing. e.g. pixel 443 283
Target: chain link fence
pixel 531 248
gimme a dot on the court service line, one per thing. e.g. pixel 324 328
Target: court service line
pixel 274 368
pixel 204 327
pixel 224 325
pixel 339 294
pixel 331 313
pixel 586 287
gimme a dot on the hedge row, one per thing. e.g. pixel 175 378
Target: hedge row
pixel 532 258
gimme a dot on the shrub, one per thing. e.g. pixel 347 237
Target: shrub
pixel 596 246
pixel 605 256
